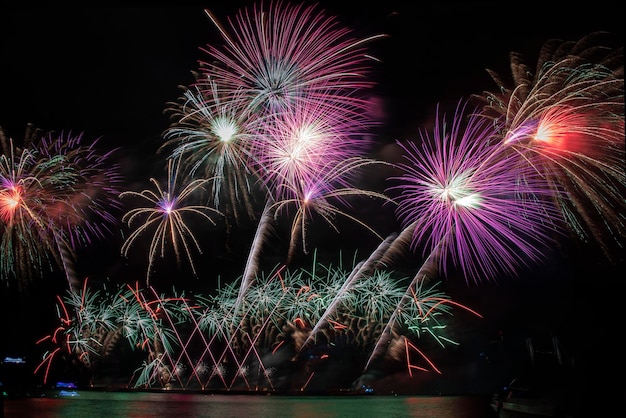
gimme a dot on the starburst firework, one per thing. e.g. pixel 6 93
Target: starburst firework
pixel 285 53
pixel 211 133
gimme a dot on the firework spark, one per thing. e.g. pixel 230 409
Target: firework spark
pixel 292 148
pixel 289 90
pixel 308 201
pixel 211 132
pixel 316 196
pixel 189 341
pixel 416 312
pixel 290 85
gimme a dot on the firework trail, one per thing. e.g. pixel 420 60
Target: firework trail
pixel 566 120
pixel 264 229
pixel 429 271
pixel 165 212
pixel 56 194
pixel 357 273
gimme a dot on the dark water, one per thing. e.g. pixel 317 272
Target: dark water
pixel 92 404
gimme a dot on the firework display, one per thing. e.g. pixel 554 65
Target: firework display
pixel 277 128
pixel 213 136
pixel 461 195
pixel 284 54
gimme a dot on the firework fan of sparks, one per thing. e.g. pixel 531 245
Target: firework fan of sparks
pixel 287 53
pixel 460 195
pixel 566 119
pixel 315 198
pixel 56 194
pixel 165 214
pixel 184 338
pixel 93 323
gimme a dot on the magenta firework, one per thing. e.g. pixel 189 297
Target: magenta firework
pixel 294 149
pixel 460 196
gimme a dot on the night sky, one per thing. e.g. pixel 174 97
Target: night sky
pixel 110 72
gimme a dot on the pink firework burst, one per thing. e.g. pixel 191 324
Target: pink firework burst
pixel 293 149
pixel 461 196
pixel 285 53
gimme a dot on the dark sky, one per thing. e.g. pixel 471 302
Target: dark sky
pixel 110 72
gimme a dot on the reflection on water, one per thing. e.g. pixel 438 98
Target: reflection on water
pixel 92 404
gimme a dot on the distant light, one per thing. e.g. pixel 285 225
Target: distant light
pixel 14 360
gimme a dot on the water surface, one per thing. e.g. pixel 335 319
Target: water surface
pixel 91 404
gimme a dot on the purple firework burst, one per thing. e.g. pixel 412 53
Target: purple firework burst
pixel 461 196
